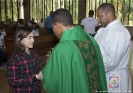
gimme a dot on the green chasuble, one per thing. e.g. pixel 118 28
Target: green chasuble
pixel 75 65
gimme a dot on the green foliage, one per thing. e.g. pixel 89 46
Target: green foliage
pixel 41 8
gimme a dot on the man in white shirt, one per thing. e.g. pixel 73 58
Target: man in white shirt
pixel 89 24
pixel 114 40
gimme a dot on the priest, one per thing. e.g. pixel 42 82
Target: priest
pixel 75 65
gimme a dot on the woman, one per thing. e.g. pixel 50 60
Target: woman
pixel 24 73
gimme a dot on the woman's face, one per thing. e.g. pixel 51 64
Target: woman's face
pixel 28 41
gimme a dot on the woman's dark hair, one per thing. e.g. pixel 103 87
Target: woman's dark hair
pixel 62 16
pixel 20 34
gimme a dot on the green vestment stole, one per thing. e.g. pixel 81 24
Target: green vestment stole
pixel 76 65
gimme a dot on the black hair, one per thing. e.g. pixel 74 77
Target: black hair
pixel 62 16
pixel 107 7
pixel 91 12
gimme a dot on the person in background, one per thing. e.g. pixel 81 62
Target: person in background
pixel 75 65
pixel 17 22
pixel 114 40
pixel 89 24
pixel 10 23
pixel 35 29
pixel 24 73
pixel 21 23
pixel 48 23
pixel 41 23
pixel 3 52
pixel 2 31
pixel 30 22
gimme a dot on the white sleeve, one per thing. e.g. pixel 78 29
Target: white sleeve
pixel 115 49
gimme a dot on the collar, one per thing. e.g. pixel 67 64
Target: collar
pixel 112 23
pixel 75 33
